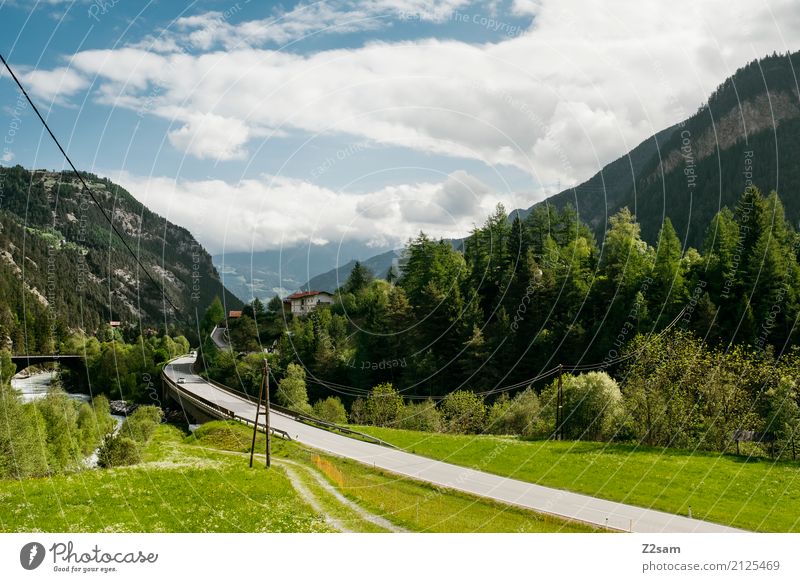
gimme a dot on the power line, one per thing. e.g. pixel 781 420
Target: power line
pixel 87 188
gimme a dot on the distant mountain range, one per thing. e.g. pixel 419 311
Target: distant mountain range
pixel 264 274
pixel 61 264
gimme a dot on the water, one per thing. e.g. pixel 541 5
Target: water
pixel 36 386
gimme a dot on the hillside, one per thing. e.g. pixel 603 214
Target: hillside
pixel 748 131
pixel 264 274
pixel 331 280
pixel 61 266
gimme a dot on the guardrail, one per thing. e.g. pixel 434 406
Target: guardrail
pixel 305 418
pixel 215 409
pixel 332 426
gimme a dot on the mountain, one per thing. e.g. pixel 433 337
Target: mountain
pixel 61 266
pixel 264 274
pixel 331 280
pixel 379 265
pixel 747 133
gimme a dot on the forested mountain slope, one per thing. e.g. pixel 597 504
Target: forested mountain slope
pixel 62 267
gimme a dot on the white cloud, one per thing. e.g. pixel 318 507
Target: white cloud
pixel 224 29
pixel 582 87
pixel 277 211
pixel 212 136
pixel 55 85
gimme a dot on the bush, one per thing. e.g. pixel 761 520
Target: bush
pixel 422 416
pixel 88 429
pixel 21 452
pixel 521 415
pixel 61 427
pixel 593 407
pixel 463 412
pixel 118 451
pixel 292 390
pixel 331 409
pixel 358 412
pixel 94 423
pixel 141 425
pixel 384 405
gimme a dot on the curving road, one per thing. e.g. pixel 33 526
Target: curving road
pixel 528 495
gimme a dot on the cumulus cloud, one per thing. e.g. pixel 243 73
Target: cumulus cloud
pixel 55 85
pixel 275 211
pixel 574 92
pixel 211 136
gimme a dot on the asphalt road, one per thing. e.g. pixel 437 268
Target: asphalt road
pixel 528 495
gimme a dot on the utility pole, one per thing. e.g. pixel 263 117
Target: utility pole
pixel 266 413
pixel 263 394
pixel 560 405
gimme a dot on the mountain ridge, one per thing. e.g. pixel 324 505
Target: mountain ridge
pixel 54 240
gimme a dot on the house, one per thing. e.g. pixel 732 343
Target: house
pixel 304 302
pixel 234 314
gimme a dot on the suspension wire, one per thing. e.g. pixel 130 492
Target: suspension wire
pixel 86 187
pixel 340 388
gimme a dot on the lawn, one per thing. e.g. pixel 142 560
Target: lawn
pixel 755 494
pixel 202 483
pixel 410 504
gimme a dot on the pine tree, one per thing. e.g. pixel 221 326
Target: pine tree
pixel 359 279
pixel 668 290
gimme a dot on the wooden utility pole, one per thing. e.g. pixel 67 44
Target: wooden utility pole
pixel 263 394
pixel 560 405
pixel 266 412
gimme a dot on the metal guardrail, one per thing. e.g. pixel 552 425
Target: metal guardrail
pixel 305 418
pixel 332 426
pixel 215 409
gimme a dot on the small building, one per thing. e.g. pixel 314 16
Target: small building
pixel 115 324
pixel 234 314
pixel 304 302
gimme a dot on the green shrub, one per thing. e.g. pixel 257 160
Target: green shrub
pixel 88 429
pixel 60 416
pixel 422 416
pixel 463 412
pixel 22 453
pixel 141 425
pixel 593 406
pixel 118 451
pixel 331 409
pixel 384 405
pixel 292 392
pixel 358 412
pixel 521 415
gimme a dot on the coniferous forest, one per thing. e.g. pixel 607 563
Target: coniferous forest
pixel 659 344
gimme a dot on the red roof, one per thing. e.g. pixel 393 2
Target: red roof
pixel 234 314
pixel 301 294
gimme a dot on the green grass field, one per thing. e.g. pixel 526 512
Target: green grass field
pixel 754 494
pixel 202 483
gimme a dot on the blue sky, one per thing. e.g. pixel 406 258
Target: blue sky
pixel 362 119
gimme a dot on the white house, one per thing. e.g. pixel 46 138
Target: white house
pixel 304 302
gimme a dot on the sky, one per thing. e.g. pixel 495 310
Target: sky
pixel 259 125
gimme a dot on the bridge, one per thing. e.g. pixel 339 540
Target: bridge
pixel 213 400
pixel 72 361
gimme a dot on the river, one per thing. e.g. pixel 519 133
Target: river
pixel 36 386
